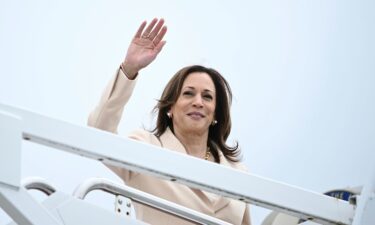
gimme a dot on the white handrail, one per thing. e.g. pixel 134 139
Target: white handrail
pixel 144 198
pixel 93 143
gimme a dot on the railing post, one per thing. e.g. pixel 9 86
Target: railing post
pixel 14 199
pixel 364 214
pixel 10 149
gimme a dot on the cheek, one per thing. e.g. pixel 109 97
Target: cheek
pixel 177 108
pixel 212 110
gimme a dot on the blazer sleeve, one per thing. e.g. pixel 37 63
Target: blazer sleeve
pixel 107 114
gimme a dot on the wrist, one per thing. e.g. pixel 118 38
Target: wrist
pixel 130 73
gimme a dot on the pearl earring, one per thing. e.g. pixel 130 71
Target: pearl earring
pixel 169 114
pixel 214 123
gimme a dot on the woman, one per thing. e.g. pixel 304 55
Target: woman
pixel 193 118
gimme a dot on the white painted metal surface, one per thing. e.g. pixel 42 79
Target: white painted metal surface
pixel 23 208
pixel 146 199
pixel 71 211
pixel 10 148
pixel 124 207
pixel 93 143
pixel 365 212
pixel 14 200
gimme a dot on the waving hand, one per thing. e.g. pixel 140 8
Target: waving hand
pixel 144 47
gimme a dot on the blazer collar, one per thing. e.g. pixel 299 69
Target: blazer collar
pixel 169 140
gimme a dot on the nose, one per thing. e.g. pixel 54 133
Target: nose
pixel 198 101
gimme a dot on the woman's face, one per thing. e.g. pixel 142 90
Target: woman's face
pixel 194 109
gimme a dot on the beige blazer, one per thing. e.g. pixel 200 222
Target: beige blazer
pixel 107 115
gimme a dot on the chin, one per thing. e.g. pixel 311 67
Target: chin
pixel 198 129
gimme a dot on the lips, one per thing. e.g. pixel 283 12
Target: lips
pixel 196 115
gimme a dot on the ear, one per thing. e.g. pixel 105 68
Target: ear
pixel 170 112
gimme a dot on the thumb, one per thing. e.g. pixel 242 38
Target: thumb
pixel 160 46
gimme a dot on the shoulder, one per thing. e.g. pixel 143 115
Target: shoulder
pixel 235 165
pixel 144 136
pixel 240 166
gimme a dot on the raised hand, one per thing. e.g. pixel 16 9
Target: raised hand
pixel 144 47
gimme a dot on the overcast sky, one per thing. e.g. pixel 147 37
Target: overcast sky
pixel 302 74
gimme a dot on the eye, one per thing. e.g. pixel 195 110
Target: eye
pixel 188 93
pixel 209 97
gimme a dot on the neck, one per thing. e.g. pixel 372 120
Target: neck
pixel 195 144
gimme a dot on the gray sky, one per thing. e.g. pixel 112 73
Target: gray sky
pixel 302 74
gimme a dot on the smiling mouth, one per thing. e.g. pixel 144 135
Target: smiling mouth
pixel 196 115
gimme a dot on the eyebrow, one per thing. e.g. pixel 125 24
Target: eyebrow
pixel 205 90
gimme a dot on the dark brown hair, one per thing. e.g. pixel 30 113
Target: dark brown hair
pixel 219 132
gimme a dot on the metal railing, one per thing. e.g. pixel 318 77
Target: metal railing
pixel 38 183
pixel 18 124
pixel 146 199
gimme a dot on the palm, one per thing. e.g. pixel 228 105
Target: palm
pixel 141 52
pixel 145 45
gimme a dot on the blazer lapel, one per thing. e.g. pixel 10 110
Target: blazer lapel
pixel 215 202
pixel 169 141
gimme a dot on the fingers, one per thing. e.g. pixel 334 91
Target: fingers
pixel 152 34
pixel 140 30
pixel 146 33
pixel 156 30
pixel 160 36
